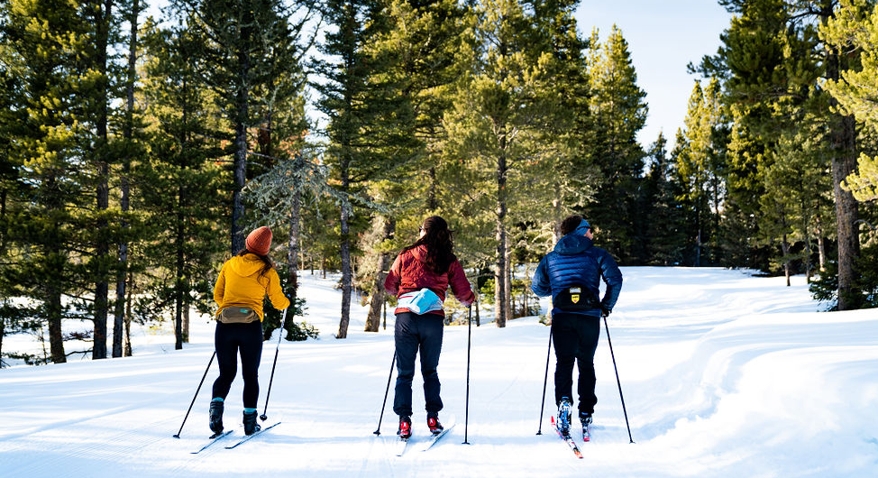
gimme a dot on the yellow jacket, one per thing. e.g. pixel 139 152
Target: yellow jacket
pixel 240 284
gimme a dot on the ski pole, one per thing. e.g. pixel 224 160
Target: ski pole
pixel 545 381
pixel 196 394
pixel 386 391
pixel 607 327
pixel 283 322
pixel 469 336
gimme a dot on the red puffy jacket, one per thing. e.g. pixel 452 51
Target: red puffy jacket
pixel 409 273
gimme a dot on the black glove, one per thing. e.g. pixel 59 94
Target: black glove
pixel 605 311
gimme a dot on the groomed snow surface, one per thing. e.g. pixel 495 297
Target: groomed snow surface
pixel 724 374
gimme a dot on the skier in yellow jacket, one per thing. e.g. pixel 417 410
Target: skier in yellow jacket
pixel 240 289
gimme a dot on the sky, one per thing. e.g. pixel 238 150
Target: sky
pixel 663 37
pixel 723 374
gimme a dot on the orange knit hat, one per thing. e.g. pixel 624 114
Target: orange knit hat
pixel 259 241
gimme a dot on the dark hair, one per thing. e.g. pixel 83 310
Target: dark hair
pixel 570 223
pixel 439 242
pixel 268 263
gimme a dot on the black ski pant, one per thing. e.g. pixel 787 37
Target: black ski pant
pixel 413 333
pixel 575 338
pixel 229 339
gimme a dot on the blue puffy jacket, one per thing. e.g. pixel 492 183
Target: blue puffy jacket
pixel 576 261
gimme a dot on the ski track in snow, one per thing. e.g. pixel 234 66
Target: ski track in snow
pixel 724 374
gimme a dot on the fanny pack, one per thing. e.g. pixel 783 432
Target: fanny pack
pixel 237 315
pixel 420 302
pixel 576 298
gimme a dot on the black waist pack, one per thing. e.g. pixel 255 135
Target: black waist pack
pixel 576 298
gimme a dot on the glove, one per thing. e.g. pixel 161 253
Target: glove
pixel 605 311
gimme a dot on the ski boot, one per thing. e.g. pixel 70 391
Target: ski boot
pixel 434 425
pixel 250 425
pixel 216 416
pixel 405 428
pixel 563 421
pixel 585 418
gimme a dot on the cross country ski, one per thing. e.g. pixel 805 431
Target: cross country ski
pixel 248 437
pixel 213 439
pixel 567 438
pixel 437 436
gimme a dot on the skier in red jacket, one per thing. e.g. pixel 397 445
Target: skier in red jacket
pixel 419 277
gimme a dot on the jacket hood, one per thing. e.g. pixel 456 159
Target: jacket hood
pixel 246 265
pixel 572 244
pixel 420 253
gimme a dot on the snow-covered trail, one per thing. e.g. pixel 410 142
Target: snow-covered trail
pixel 723 374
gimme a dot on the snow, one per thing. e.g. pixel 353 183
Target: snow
pixel 723 374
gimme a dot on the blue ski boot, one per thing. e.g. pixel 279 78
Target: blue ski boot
pixel 563 421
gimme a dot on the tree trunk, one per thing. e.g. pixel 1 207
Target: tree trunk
pixel 102 250
pixel 124 186
pixel 240 166
pixel 179 270
pixel 785 250
pixel 379 296
pixel 809 266
pixel 293 257
pixel 2 334
pixel 500 278
pixel 53 316
pixel 346 272
pixel 127 352
pixel 844 162
pixel 187 306
pixel 501 275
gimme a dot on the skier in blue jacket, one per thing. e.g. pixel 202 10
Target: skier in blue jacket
pixel 571 274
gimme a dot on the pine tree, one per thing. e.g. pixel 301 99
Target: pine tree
pixel 177 187
pixel 566 137
pixel 618 112
pixel 772 61
pixel 663 235
pixel 420 44
pixel 132 146
pixel 499 111
pixel 97 94
pixel 45 40
pixel 370 116
pixel 700 165
pixel 853 29
pixel 239 61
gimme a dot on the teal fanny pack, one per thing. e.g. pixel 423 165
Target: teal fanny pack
pixel 420 302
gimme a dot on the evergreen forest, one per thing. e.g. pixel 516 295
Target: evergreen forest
pixel 138 150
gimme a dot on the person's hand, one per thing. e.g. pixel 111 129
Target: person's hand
pixel 605 311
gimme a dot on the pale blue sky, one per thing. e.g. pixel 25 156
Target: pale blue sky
pixel 663 37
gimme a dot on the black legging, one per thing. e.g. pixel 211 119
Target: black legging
pixel 228 340
pixel 575 338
